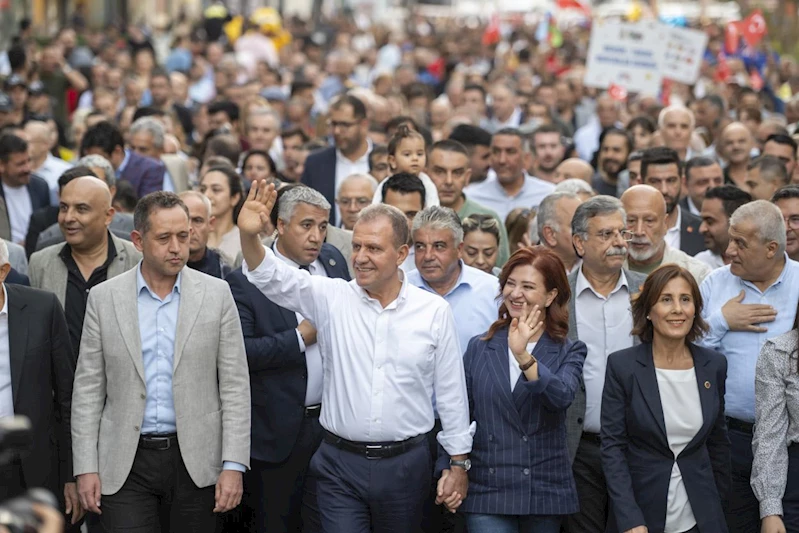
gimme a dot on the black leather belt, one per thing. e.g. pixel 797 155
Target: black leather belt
pixel 592 437
pixel 740 425
pixel 313 411
pixel 158 442
pixel 374 450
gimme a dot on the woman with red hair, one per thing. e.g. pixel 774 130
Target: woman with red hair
pixel 521 376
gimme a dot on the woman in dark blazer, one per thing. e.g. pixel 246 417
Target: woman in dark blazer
pixel 521 377
pixel 665 450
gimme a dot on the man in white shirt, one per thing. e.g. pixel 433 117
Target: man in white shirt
pixel 386 347
pixel 44 164
pixel 554 219
pixel 600 316
pixel 717 208
pixel 406 192
pixel 23 192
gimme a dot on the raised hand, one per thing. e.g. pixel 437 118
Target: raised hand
pixel 254 214
pixel 523 329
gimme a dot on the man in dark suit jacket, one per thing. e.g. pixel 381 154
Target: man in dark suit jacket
pixel 144 174
pixel 36 382
pixel 349 127
pixel 22 192
pixel 285 367
pixel 691 241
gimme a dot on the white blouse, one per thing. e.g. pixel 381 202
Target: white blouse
pixel 682 413
pixel 513 364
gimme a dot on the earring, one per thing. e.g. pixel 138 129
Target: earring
pixel 647 317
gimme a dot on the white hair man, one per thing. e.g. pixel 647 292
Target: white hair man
pixel 676 124
pixel 554 221
pixel 148 138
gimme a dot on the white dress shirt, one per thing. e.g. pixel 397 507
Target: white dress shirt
pixel 381 364
pixel 513 365
pixel 313 358
pixel 50 171
pixel 604 325
pixel 673 234
pixel 710 259
pixel 6 392
pixel 20 209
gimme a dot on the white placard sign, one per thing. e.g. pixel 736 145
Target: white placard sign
pixel 625 54
pixel 682 54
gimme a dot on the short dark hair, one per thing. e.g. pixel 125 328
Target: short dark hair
pixel 404 183
pixel 470 136
pixel 731 197
pixel 104 136
pixel 788 192
pixel 225 106
pixel 660 155
pixel 396 122
pixel 269 161
pixel 300 85
pixel 699 161
pixel 155 201
pixel 357 105
pixel 125 196
pixel 781 138
pixel 476 87
pixel 545 128
pixel 74 173
pixel 642 121
pixel 650 294
pixel 11 144
pixel 613 130
pixel 377 150
pixel 159 72
pixel 148 111
pixel 225 145
pixel 448 145
pixel 770 167
pixel 295 132
pixel 16 56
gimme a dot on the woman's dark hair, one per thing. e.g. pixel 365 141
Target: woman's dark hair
pixel 552 270
pixel 649 295
pixel 484 223
pixel 269 161
pixel 403 132
pixel 643 122
pixel 234 182
pixel 517 225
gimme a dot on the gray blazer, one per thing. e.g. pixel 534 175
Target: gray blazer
pixel 48 272
pixel 576 412
pixel 121 226
pixel 17 257
pixel 211 382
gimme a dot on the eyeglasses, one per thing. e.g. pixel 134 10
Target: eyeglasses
pixel 360 202
pixel 609 234
pixel 792 222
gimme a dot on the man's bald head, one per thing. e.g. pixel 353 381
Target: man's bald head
pixel 737 143
pixel 574 168
pixel 85 213
pixel 639 194
pixel 646 218
pixel 40 139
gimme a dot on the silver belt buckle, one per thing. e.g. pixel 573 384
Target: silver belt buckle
pixel 371 448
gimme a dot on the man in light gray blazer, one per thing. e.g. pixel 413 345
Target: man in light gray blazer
pixel 161 396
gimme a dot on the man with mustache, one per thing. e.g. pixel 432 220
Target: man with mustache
pixel 615 145
pixel 661 168
pixel 646 219
pixel 736 143
pixel 717 208
pixel 599 315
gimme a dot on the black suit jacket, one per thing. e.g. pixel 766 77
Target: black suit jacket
pixel 40 220
pixel 39 192
pixel 42 370
pixel 17 279
pixel 636 457
pixel 278 375
pixel 320 174
pixel 691 241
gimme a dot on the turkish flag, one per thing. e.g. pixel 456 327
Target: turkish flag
pixel 732 37
pixel 617 92
pixel 573 4
pixel 723 71
pixel 753 28
pixel 491 35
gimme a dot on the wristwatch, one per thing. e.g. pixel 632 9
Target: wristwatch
pixel 466 464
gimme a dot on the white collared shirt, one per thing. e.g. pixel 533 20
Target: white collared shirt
pixel 20 209
pixel 313 358
pixel 710 259
pixel 673 234
pixel 381 365
pixel 6 392
pixel 50 171
pixel 692 207
pixel 345 168
pixel 604 325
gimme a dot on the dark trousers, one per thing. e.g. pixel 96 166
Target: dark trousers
pixel 436 518
pixel 743 509
pixel 360 495
pixel 281 496
pixel 592 489
pixel 159 497
pixel 790 500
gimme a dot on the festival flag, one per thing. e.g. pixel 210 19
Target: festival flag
pixel 574 4
pixel 753 28
pixel 732 37
pixel 491 34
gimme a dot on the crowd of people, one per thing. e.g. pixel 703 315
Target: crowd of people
pixel 349 279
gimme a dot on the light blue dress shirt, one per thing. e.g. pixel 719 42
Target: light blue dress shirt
pixel 158 321
pixel 742 348
pixel 473 299
pixel 490 194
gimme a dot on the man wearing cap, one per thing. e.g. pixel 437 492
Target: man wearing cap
pixel 17 90
pixel 6 111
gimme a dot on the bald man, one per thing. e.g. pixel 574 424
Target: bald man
pixel 574 168
pixel 648 249
pixel 735 144
pixel 90 255
pixel 44 164
pixel 201 257
pixel 355 193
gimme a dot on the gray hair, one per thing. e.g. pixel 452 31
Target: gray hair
pixel 200 196
pixel 594 207
pixel 265 112
pixel 98 161
pixel 365 177
pixel 296 195
pixel 670 109
pixel 437 217
pixel 574 186
pixel 152 126
pixel 397 219
pixel 547 212
pixel 767 218
pixel 3 252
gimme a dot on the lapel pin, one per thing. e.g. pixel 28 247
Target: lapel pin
pixel 332 262
pixel 690 229
pixel 707 384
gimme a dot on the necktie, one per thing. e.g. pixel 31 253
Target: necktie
pixel 306 268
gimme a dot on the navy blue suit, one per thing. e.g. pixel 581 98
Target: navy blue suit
pixel 636 456
pixel 520 459
pixel 18 279
pixel 144 174
pixel 320 174
pixel 281 442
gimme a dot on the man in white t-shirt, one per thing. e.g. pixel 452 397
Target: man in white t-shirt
pixel 22 191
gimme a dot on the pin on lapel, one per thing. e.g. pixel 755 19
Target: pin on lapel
pixel 707 384
pixel 332 262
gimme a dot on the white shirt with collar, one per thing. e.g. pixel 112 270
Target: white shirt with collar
pixel 50 171
pixel 6 392
pixel 382 365
pixel 673 234
pixel 710 259
pixel 313 357
pixel 20 209
pixel 692 207
pixel 345 168
pixel 514 121
pixel 604 325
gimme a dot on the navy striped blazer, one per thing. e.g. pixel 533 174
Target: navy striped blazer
pixel 520 460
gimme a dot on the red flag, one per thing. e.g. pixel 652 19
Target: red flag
pixel 732 37
pixel 617 92
pixel 753 28
pixel 573 4
pixel 755 80
pixel 723 71
pixel 491 34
